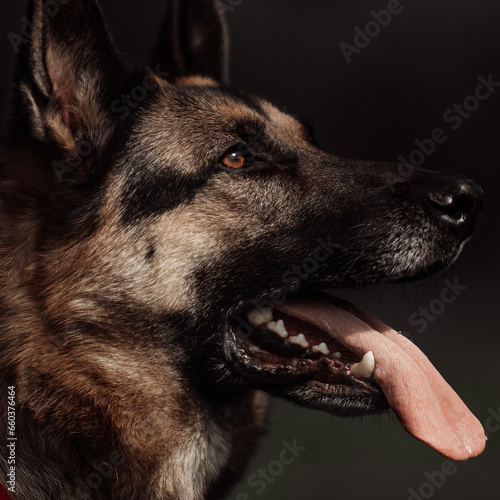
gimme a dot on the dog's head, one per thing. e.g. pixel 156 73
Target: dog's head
pixel 172 210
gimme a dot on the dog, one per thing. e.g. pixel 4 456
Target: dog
pixel 165 240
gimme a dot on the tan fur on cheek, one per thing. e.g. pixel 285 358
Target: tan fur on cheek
pixel 114 268
pixel 112 264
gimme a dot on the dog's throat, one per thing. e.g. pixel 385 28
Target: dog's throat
pixel 334 342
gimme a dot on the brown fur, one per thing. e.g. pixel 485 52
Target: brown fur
pixel 119 396
pixel 122 267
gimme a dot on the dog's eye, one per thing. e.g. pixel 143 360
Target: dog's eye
pixel 235 160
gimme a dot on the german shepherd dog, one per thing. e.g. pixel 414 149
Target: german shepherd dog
pixel 164 242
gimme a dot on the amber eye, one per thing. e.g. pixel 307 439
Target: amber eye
pixel 234 160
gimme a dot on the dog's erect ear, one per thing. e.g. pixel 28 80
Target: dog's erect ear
pixel 67 71
pixel 193 40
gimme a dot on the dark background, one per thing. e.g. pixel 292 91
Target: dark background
pixel 395 91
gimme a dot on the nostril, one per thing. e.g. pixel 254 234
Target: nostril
pixel 455 207
pixel 457 204
pixel 441 201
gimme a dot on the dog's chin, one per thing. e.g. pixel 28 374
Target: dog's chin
pixel 423 272
pixel 432 262
pixel 297 361
pixel 414 261
pixel 338 399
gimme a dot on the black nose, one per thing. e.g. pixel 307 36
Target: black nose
pixel 456 201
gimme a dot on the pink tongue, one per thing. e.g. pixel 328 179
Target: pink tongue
pixel 427 407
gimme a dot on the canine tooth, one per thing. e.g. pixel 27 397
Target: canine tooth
pixel 259 316
pixel 278 327
pixel 337 355
pixel 299 340
pixel 365 367
pixel 322 348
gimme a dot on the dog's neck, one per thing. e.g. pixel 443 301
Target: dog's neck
pixel 143 419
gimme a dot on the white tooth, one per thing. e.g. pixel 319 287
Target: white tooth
pixel 365 367
pixel 259 316
pixel 278 327
pixel 337 355
pixel 299 340
pixel 322 348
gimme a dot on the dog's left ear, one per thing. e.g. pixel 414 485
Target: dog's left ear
pixel 67 72
pixel 193 40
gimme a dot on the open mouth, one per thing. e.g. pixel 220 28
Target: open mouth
pixel 326 353
pixel 280 348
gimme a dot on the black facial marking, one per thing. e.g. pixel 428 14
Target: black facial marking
pixel 260 144
pixel 150 253
pixel 247 129
pixel 151 193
